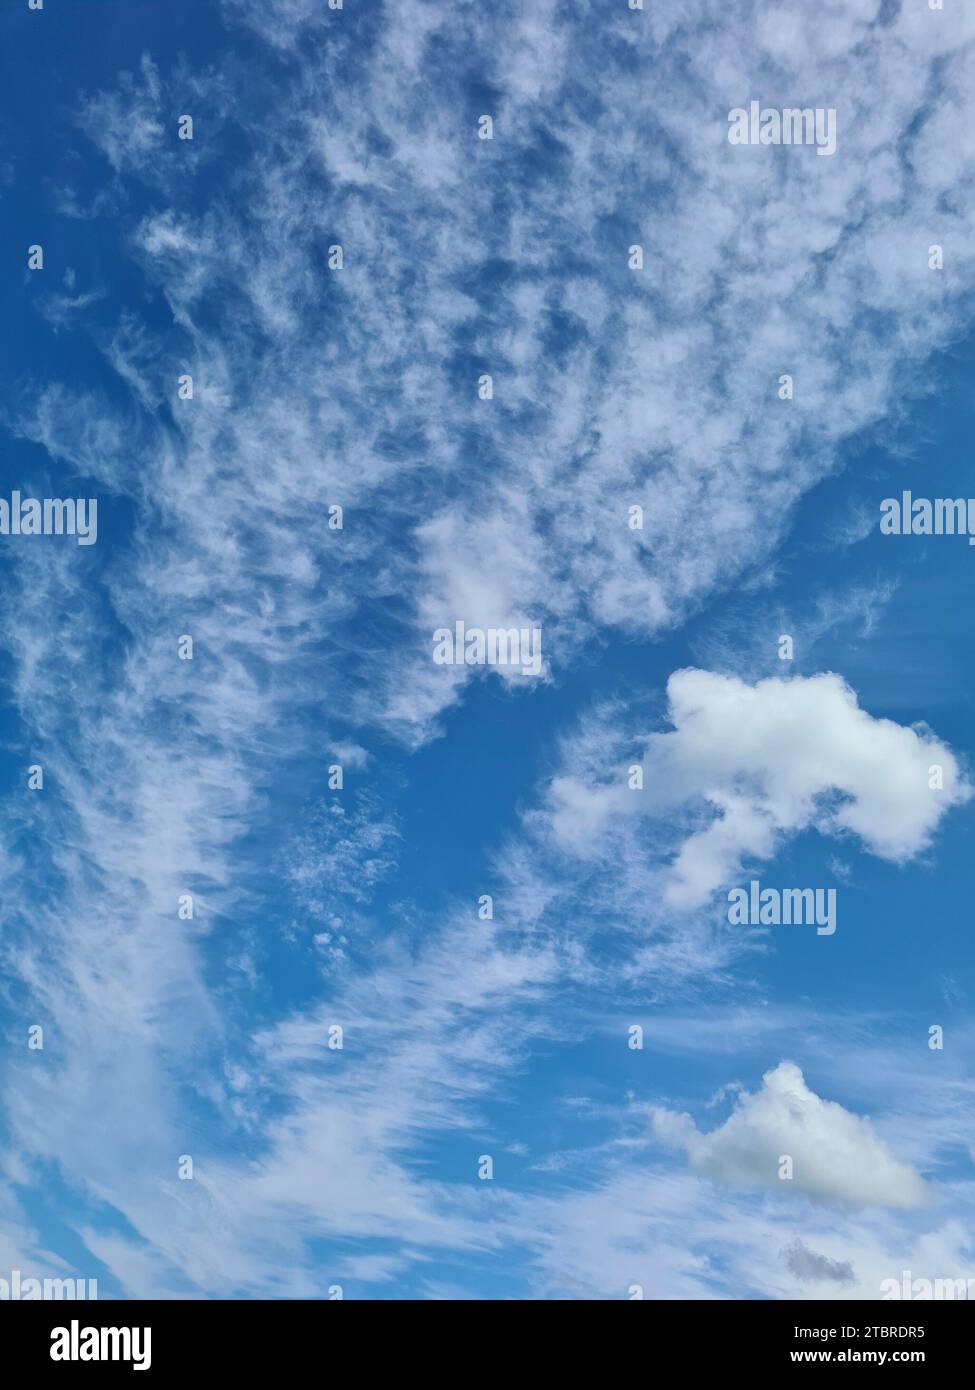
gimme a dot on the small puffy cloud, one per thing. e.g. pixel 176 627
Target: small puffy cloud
pixel 350 754
pixel 768 756
pixel 836 1156
pixel 811 1267
pixel 747 765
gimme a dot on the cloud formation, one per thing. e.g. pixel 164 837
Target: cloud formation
pixel 749 764
pixel 612 388
pixel 809 1266
pixel 836 1156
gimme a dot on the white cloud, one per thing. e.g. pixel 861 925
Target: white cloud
pixel 350 754
pixel 751 764
pixel 836 1156
pixel 755 266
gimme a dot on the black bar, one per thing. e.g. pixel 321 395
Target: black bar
pixel 324 1337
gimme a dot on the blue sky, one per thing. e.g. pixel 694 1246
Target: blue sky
pixel 614 1169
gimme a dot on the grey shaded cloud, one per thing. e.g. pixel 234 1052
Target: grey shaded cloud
pixel 808 1266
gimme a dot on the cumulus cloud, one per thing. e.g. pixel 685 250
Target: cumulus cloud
pixel 748 764
pixel 836 1156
